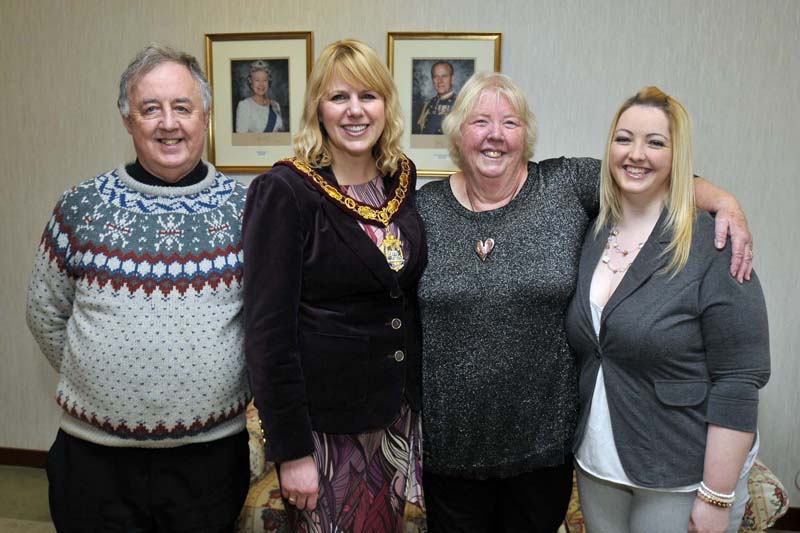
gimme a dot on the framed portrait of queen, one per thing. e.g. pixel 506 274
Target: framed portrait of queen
pixel 258 81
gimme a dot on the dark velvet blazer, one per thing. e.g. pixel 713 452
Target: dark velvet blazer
pixel 678 353
pixel 332 334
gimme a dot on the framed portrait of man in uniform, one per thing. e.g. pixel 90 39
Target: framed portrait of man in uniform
pixel 430 69
pixel 435 87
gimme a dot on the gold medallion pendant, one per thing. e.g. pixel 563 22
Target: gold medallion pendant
pixel 392 248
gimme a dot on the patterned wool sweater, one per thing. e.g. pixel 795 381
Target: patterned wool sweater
pixel 136 301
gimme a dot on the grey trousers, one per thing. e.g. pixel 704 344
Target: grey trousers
pixel 613 508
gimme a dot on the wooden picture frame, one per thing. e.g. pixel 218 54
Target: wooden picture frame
pixel 419 63
pixel 237 65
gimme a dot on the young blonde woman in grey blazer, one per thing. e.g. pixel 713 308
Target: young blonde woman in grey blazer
pixel 671 349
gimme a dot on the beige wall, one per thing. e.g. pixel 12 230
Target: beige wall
pixel 734 63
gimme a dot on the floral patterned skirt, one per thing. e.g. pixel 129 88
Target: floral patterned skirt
pixel 365 479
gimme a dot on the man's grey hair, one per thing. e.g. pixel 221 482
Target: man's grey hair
pixel 149 58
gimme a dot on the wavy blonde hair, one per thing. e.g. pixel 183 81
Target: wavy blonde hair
pixel 680 200
pixel 356 64
pixel 492 83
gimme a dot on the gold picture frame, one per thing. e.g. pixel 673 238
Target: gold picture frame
pixel 234 142
pixel 414 59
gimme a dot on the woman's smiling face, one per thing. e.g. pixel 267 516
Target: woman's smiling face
pixel 259 82
pixel 492 139
pixel 640 158
pixel 353 118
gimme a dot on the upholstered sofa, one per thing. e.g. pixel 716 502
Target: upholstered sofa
pixel 263 511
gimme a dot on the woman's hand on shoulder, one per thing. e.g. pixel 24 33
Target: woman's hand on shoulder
pixel 300 482
pixel 707 518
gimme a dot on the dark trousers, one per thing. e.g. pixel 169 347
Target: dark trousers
pixel 193 488
pixel 533 502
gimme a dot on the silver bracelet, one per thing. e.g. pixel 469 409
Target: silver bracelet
pixel 726 498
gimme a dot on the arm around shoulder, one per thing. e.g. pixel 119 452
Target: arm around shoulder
pixel 588 184
pixel 729 220
pixel 581 174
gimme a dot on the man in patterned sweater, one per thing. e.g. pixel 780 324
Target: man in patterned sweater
pixel 136 301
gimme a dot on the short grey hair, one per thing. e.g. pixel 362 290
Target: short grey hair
pixel 149 58
pixel 501 86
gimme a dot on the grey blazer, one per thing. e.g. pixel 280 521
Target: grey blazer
pixel 678 353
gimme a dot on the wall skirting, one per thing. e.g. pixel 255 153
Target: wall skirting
pixel 21 457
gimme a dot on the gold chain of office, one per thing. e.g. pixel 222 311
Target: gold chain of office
pixel 383 215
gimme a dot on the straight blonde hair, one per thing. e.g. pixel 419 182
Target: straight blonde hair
pixel 680 200
pixel 358 65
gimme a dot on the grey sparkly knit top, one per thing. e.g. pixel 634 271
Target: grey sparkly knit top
pixel 499 379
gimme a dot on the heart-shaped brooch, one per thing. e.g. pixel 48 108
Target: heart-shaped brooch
pixel 484 248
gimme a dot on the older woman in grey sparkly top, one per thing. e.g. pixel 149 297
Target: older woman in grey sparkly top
pixel 499 380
